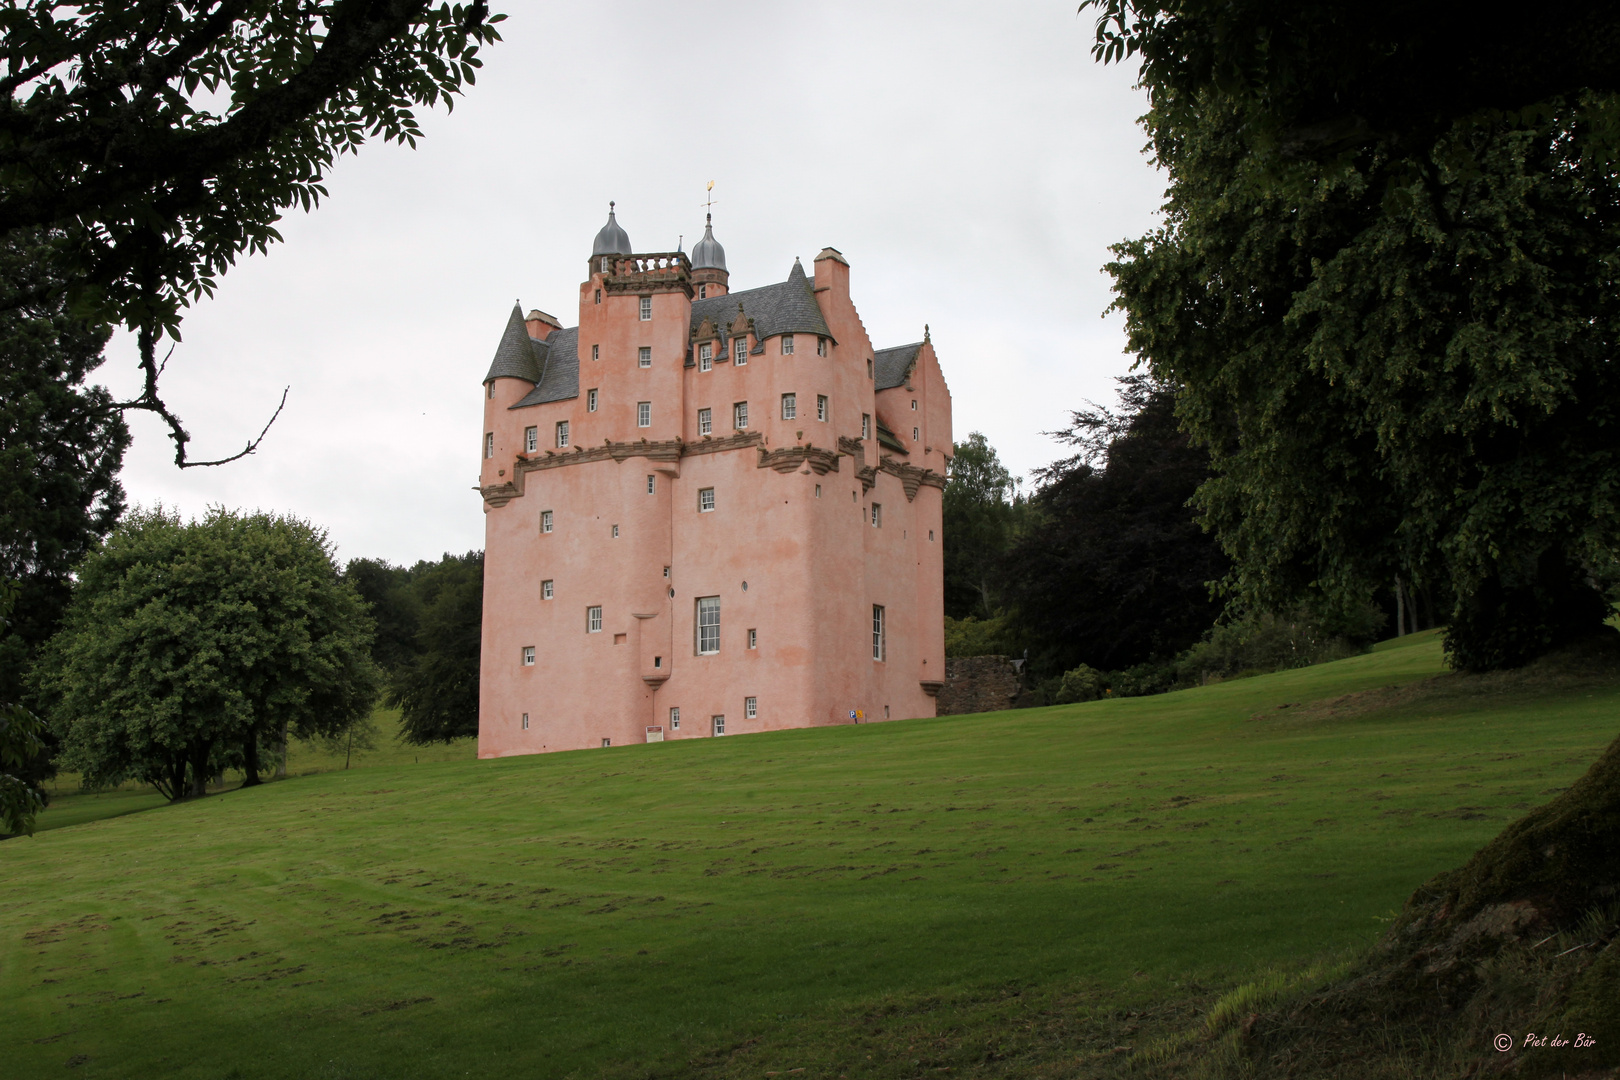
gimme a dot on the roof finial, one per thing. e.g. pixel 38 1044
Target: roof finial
pixel 611 204
pixel 925 331
pixel 710 202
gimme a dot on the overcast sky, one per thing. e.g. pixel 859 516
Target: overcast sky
pixel 970 160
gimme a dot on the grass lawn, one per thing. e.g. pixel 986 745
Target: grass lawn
pixel 757 904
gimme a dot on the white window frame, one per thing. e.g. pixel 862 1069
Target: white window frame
pixel 590 401
pixel 528 656
pixel 525 721
pixel 718 724
pixel 750 708
pixel 706 357
pixel 489 445
pixel 596 352
pixel 787 344
pixel 562 434
pixel 643 414
pixel 790 406
pixel 615 532
pixel 706 625
pixel 821 407
pixel 753 639
pixel 916 435
pixel 821 346
pixel 593 619
pixel 646 309
pixel 674 718
pixel 879 634
pixel 706 500
pixel 739 415
pixel 489 389
pixel 739 351
pixel 877 515
pixel 644 356
pixel 652 483
pixel 545 521
pixel 703 292
pixel 866 425
pixel 531 439
pixel 705 421
pixel 913 404
pixel 548 589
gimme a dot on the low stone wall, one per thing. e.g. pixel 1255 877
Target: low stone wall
pixel 978 684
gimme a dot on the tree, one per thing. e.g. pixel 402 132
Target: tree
pixel 160 139
pixel 395 607
pixel 977 515
pixel 20 744
pixel 189 646
pixel 1386 289
pixel 437 693
pixel 1114 570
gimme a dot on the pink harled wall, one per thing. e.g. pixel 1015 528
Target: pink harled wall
pixel 792 554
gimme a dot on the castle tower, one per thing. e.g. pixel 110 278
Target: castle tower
pixel 709 263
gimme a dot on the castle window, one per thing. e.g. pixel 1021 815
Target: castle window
pixel 739 351
pixel 790 406
pixel 596 352
pixel 652 484
pixel 821 346
pixel 615 532
pixel 818 491
pixel 739 415
pixel 877 632
pixel 546 589
pixel 525 721
pixel 877 515
pixel 751 707
pixel 787 344
pixel 646 309
pixel 675 718
pixel 866 425
pixel 705 500
pixel 915 435
pixel 705 357
pixel 489 444
pixel 528 656
pixel 531 439
pixel 590 401
pixel 562 433
pixel 489 389
pixel 703 292
pixel 599 291
pixel 930 536
pixel 606 743
pixel 705 422
pixel 821 406
pixel 643 414
pixel 545 521
pixel 644 356
pixel 593 619
pixel 868 367
pixel 708 625
pixel 913 404
pixel 605 264
pixel 666 573
pixel 753 639
pixel 719 723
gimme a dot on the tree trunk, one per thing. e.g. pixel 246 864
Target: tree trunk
pixel 1400 608
pixel 281 767
pixel 199 770
pixel 250 760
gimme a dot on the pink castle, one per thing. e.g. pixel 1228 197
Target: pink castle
pixel 707 512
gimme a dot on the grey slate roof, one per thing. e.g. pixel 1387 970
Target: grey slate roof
pixel 518 356
pixel 894 365
pixel 788 307
pixel 611 239
pixel 559 381
pixel 707 254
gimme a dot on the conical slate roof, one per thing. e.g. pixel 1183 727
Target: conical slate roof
pixel 707 254
pixel 612 240
pixel 518 356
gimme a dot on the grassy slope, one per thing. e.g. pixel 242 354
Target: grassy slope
pixel 626 909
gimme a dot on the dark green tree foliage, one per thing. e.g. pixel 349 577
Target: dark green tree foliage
pixel 1387 285
pixel 976 525
pixel 21 743
pixel 190 646
pixel 1114 570
pixel 395 607
pixel 437 694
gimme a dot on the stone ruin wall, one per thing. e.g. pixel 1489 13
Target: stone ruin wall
pixel 976 684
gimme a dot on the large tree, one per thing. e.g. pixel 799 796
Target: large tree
pixel 1386 285
pixel 161 139
pixel 977 518
pixel 190 645
pixel 437 691
pixel 21 743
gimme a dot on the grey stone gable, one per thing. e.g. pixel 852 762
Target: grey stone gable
pixel 893 366
pixel 788 307
pixel 560 379
pixel 518 356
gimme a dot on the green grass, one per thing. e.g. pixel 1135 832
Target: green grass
pixel 713 906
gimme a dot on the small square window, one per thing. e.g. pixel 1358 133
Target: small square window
pixel 652 484
pixel 739 415
pixel 790 406
pixel 528 656
pixel 787 344
pixel 658 661
pixel 547 589
pixel 489 444
pixel 821 406
pixel 739 351
pixel 525 721
pixel 719 723
pixel 866 425
pixel 593 620
pixel 877 516
pixel 643 414
pixel 545 521
pixel 705 422
pixel 675 719
pixel 596 352
pixel 615 532
pixel 750 707
pixel 705 357
pixel 753 639
pixel 590 401
pixel 644 356
pixel 705 500
pixel 646 309
pixel 562 433
pixel 606 743
pixel 531 439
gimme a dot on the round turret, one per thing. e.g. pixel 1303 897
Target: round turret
pixel 709 263
pixel 612 240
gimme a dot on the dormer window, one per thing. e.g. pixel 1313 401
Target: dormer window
pixel 705 357
pixel 739 353
pixel 646 309
pixel 787 344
